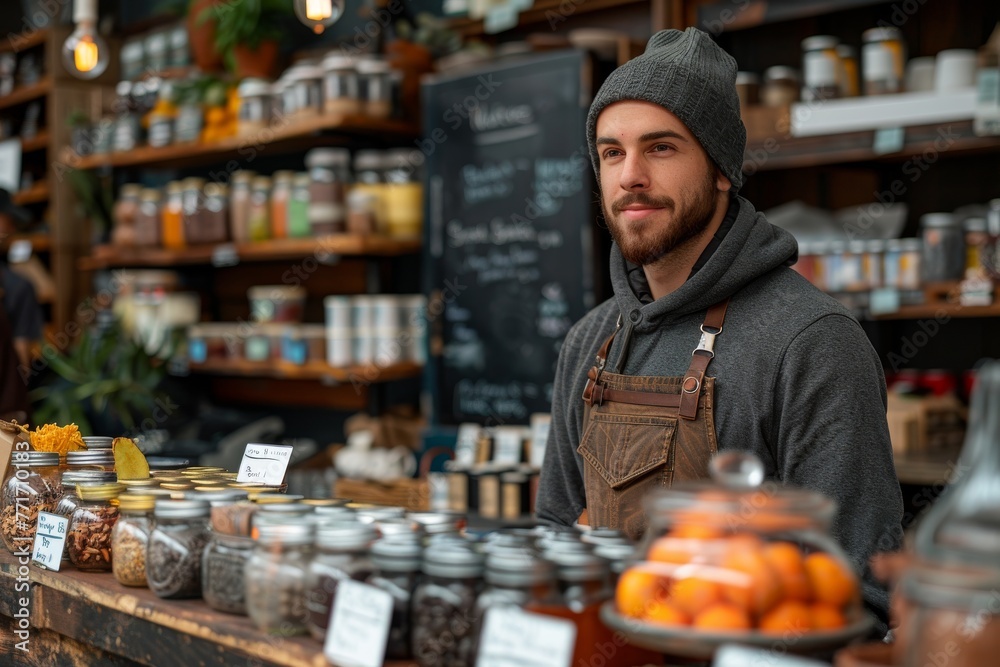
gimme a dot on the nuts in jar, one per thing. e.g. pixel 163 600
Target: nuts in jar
pixel 90 527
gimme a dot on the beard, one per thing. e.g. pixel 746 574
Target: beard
pixel 643 242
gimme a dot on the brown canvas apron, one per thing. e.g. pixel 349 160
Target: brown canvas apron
pixel 645 432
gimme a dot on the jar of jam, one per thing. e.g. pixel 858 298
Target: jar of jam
pixel 276 578
pixel 88 538
pixel 444 604
pixel 341 554
pixel 397 567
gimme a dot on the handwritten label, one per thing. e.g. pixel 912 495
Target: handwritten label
pixel 515 637
pixel 225 255
pixel 888 140
pixel 264 464
pixel 20 251
pixel 50 539
pixel 359 625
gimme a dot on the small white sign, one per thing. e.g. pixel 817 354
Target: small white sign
pixel 465 446
pixel 889 140
pixel 20 251
pixel 359 625
pixel 515 637
pixel 540 426
pixel 264 464
pixel 507 444
pixel 50 539
pixel 500 18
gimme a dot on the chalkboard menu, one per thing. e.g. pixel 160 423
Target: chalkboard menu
pixel 508 209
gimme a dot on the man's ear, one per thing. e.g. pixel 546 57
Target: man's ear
pixel 722 184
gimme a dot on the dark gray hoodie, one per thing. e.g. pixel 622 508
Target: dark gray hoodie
pixel 797 383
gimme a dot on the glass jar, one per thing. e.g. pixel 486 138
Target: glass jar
pixel 193 210
pixel 70 479
pixel 275 578
pixel 369 177
pixel 190 119
pixel 305 87
pixel 127 121
pixel 613 546
pixel 849 86
pixel 215 214
pixel 748 89
pixel 298 208
pixel 255 107
pixel 147 222
pixel 362 212
pixel 176 543
pixel 239 206
pixel 180 54
pixel 883 60
pixel 328 174
pixel 133 55
pixel 397 567
pixel 854 267
pixel 126 209
pixel 341 554
pixel 820 68
pixel 281 513
pixel 834 266
pixel 281 195
pixel 976 240
pixel 89 535
pixel 223 572
pixel 32 486
pixel 872 264
pixel 376 87
pixel 404 191
pixel 102 459
pixel 259 222
pixel 781 87
pixel 173 217
pixel 943 248
pixel 130 538
pixel 444 605
pixel 340 86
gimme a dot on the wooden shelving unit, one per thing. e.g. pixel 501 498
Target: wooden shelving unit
pixel 39 242
pixel 26 94
pixel 39 142
pixel 321 371
pixel 36 194
pixel 546 11
pixel 24 41
pixel 281 249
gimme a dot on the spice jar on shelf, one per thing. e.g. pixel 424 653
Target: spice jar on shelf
pixel 976 240
pixel 275 578
pixel 404 208
pixel 298 208
pixel 125 212
pixel 369 176
pixel 176 543
pixel 849 86
pixel 341 554
pixel 88 539
pixel 305 89
pixel 193 210
pixel 281 195
pixel 255 107
pixel 172 234
pixel 883 61
pixel 821 68
pixel 259 222
pixel 130 537
pixel 215 214
pixel 239 206
pixel 781 87
pixel 340 85
pixel 397 567
pixel 943 248
pixel 376 87
pixel 444 603
pixel 329 177
pixel 148 220
pixel 32 486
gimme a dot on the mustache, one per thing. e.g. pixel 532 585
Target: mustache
pixel 641 199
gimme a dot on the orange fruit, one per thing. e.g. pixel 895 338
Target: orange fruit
pixel 789 615
pixel 671 550
pixel 786 561
pixel 696 529
pixel 826 617
pixel 694 594
pixel 760 588
pixel 831 582
pixel 722 616
pixel 663 613
pixel 637 589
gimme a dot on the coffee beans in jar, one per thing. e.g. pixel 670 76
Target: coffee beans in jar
pixel 444 605
pixel 397 567
pixel 32 486
pixel 223 567
pixel 90 527
pixel 341 554
pixel 275 578
pixel 176 543
pixel 130 537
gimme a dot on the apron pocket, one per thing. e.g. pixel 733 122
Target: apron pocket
pixel 625 448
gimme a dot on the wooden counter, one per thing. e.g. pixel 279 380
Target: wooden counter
pixel 79 619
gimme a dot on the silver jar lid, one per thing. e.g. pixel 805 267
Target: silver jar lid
pixel 220 498
pixel 100 456
pixel 437 523
pixel 577 563
pixel 181 509
pixel 71 477
pixel 328 158
pixel 374 514
pixel 22 459
pixel 328 514
pixel 453 560
pixel 294 534
pixel 100 441
pixel 517 567
pixel 397 553
pixel 345 536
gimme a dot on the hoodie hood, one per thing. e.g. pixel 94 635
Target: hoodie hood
pixel 750 249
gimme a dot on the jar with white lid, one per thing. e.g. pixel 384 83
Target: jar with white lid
pixel 883 61
pixel 781 86
pixel 820 68
pixel 305 87
pixel 329 174
pixel 376 87
pixel 340 85
pixel 255 106
pixel 909 263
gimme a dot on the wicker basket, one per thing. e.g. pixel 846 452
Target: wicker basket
pixel 412 494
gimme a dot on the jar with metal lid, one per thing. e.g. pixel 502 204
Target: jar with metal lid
pixel 821 68
pixel 376 87
pixel 281 513
pixel 259 222
pixel 362 212
pixel 32 486
pixel 130 538
pixel 329 176
pixel 834 266
pixel 340 85
pixel 883 60
pixel 147 221
pixel 193 210
pixel 70 479
pixel 853 267
pixel 88 539
pixel 403 199
pixel 128 128
pixel 341 554
pixel 781 87
pixel 281 195
pixel 215 214
pixel 239 206
pixel 98 442
pixel 255 107
pixel 298 207
pixel 943 248
pixel 396 560
pixel 172 234
pixel 223 568
pixel 872 263
pixel 176 543
pixel 305 89
pixel 748 89
pixel 369 177
pixel 276 578
pixel 977 240
pixel 613 546
pixel 849 86
pixel 125 211
pixel 101 459
pixel 444 605
pixel 332 514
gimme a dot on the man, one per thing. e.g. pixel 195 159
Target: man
pixel 781 370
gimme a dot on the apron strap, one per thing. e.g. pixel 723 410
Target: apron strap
pixel 700 358
pixel 594 374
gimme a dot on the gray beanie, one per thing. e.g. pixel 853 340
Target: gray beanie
pixel 692 77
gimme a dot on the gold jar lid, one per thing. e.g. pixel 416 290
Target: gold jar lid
pixel 324 502
pixel 139 483
pixel 228 475
pixel 201 471
pixel 211 489
pixel 98 491
pixel 136 502
pixel 270 497
pixel 207 481
pixel 177 486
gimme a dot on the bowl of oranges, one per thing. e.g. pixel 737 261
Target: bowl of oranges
pixel 745 563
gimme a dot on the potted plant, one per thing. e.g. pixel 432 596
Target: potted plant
pixel 247 34
pixel 201 35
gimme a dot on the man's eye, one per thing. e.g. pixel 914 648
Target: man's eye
pixel 663 147
pixel 612 152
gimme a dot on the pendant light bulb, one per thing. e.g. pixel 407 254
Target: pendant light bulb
pixel 84 53
pixel 319 14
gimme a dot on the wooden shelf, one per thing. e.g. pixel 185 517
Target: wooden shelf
pixel 261 251
pixel 39 142
pixel 320 371
pixel 940 310
pixel 540 12
pixel 295 135
pixel 27 93
pixel 22 41
pixel 37 194
pixel 88 618
pixel 39 242
pixel 857 147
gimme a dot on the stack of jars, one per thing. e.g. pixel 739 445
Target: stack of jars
pixel 861 266
pixel 382 329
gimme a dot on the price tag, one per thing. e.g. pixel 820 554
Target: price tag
pixel 884 300
pixel 359 625
pixel 50 539
pixel 500 18
pixel 515 637
pixel 264 463
pixel 20 251
pixel 225 255
pixel 888 140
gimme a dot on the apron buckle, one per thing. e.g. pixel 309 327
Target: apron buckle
pixel 707 342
